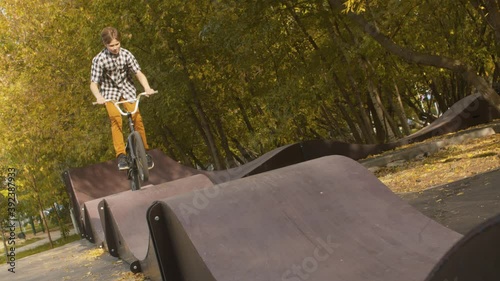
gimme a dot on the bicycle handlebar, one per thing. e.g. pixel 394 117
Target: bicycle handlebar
pixel 116 103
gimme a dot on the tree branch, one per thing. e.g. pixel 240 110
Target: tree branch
pixel 457 66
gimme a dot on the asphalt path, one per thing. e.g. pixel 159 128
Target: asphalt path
pixel 462 204
pixel 73 261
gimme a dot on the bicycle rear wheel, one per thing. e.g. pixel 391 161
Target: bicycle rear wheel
pixel 141 161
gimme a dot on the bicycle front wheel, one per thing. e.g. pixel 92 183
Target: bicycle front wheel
pixel 133 176
pixel 141 161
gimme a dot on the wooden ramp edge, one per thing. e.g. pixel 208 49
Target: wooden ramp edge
pixel 475 257
pixel 123 217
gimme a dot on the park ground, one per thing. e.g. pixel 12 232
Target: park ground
pixel 454 162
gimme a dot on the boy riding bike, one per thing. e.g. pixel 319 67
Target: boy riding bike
pixel 111 79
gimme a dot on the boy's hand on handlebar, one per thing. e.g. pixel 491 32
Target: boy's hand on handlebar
pixel 100 100
pixel 149 92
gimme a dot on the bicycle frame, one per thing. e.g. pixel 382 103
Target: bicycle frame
pixel 130 152
pixel 130 147
pixel 129 115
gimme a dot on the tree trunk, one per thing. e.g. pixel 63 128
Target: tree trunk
pixel 390 125
pixel 205 125
pixel 4 243
pixel 350 104
pixel 247 155
pixel 168 134
pixel 62 227
pixel 32 223
pixel 208 137
pixel 300 24
pixel 44 221
pixel 335 127
pixel 40 206
pixel 202 117
pixel 400 110
pixel 378 106
pixel 366 124
pixel 358 110
pixel 358 105
pixel 377 122
pixel 325 112
pixel 224 143
pixel 244 114
pixel 350 124
pixel 439 98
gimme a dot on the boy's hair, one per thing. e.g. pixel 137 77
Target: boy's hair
pixel 108 34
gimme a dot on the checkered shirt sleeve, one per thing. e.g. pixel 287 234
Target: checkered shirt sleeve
pixel 114 73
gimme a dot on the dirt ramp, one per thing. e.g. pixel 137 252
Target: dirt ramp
pixel 325 219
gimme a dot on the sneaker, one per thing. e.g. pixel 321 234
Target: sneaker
pixel 122 162
pixel 151 164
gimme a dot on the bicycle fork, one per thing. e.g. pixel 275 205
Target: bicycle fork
pixel 130 152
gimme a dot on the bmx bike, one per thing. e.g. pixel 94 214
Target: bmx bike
pixel 138 171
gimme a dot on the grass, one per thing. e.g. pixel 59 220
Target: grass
pixel 26 242
pixel 57 243
pixel 451 163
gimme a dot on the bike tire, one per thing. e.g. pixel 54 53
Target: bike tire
pixel 140 158
pixel 135 183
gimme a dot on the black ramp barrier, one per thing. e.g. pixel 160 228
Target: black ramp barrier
pixel 123 216
pixel 476 257
pixel 324 219
pixel 467 112
pixel 318 148
pixel 277 158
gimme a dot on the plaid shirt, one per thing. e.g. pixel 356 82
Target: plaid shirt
pixel 113 74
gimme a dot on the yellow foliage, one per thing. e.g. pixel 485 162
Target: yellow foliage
pixel 354 6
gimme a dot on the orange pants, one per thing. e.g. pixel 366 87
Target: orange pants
pixel 117 124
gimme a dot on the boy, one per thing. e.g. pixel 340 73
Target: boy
pixel 111 78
